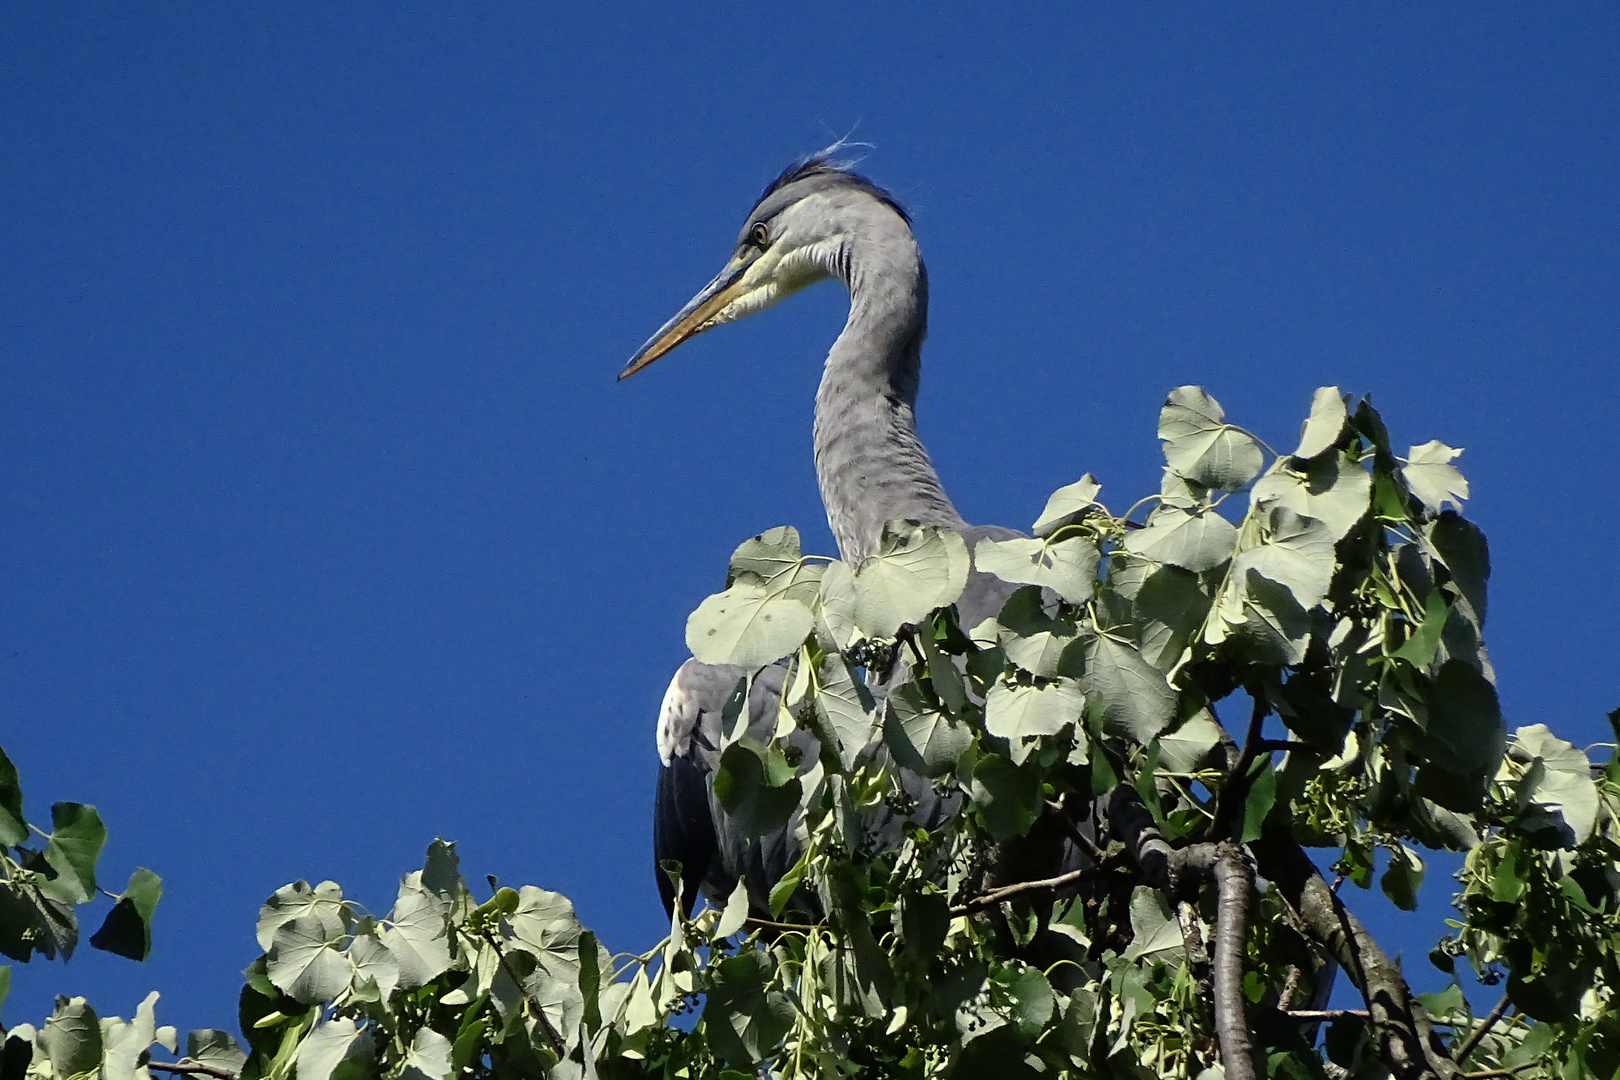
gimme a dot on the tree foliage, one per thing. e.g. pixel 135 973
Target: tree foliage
pixel 1109 725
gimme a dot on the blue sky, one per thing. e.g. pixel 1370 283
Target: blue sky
pixel 325 529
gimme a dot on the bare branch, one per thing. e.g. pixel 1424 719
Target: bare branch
pixel 538 1011
pixel 1498 1011
pixel 1407 1041
pixel 1318 1016
pixel 1019 888
pixel 187 1067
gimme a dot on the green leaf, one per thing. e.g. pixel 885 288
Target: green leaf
pixel 71 1039
pixel 546 926
pixel 735 913
pixel 748 625
pixel 1333 489
pixel 13 829
pixel 125 1042
pixel 745 1014
pixel 1007 798
pixel 1432 478
pixel 917 568
pixel 77 836
pixel 784 889
pixel 1185 749
pixel 1067 505
pixel 1295 552
pixel 1136 701
pixel 1402 878
pixel 1193 539
pixel 1321 430
pixel 1018 712
pixel 1419 648
pixel 844 708
pixel 1198 446
pixel 333 1044
pixel 302 963
pixel 1461 548
pixel 1257 803
pixel 1466 736
pixel 1265 615
pixel 1170 606
pixel 1565 787
pixel 771 556
pixel 418 932
pixel 374 965
pixel 428 1057
pixel 835 609
pixel 1154 930
pixel 216 1049
pixel 324 902
pixel 127 930
pixel 1031 1000
pixel 922 736
pixel 1067 567
pixel 756 787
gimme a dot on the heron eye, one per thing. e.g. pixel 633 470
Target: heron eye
pixel 760 236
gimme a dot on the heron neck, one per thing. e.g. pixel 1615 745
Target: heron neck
pixel 871 466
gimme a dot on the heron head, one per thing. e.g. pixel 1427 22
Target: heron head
pixel 796 234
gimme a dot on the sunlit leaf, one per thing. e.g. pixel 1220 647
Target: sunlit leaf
pixel 303 964
pixel 917 568
pixel 922 736
pixel 1200 447
pixel 1067 505
pixel 1019 712
pixel 747 625
pixel 1136 701
pixel 1067 567
pixel 1432 478
pixel 1326 422
pixel 1195 540
pixel 330 1045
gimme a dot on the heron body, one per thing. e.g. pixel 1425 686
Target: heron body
pixel 816 221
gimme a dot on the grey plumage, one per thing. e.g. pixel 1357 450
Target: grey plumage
pixel 816 221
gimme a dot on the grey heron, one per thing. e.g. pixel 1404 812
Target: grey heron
pixel 817 221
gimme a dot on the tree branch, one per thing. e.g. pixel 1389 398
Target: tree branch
pixel 1229 800
pixel 539 1012
pixel 1407 1042
pixel 1497 1012
pixel 1018 888
pixel 187 1067
pixel 1233 884
pixel 1318 1016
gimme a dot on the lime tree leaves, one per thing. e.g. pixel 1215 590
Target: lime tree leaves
pixel 1201 447
pixel 42 884
pixel 921 780
pixel 764 613
pixel 775 596
pixel 917 569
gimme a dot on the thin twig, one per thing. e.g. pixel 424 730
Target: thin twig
pixel 1081 840
pixel 768 924
pixel 1007 892
pixel 1489 1074
pixel 187 1067
pixel 1317 1016
pixel 1497 1012
pixel 557 1044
